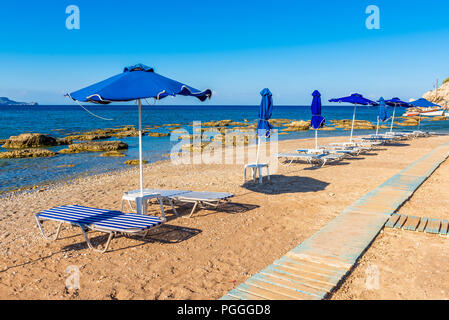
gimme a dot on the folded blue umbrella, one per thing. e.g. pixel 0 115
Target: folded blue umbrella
pixel 317 120
pixel 136 82
pixel 383 114
pixel 266 108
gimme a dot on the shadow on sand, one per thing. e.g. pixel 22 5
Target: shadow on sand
pixel 280 184
pixel 163 234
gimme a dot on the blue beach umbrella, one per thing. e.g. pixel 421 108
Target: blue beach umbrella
pixel 382 114
pixel 423 103
pixel 355 99
pixel 264 126
pixel 395 102
pixel 135 83
pixel 317 120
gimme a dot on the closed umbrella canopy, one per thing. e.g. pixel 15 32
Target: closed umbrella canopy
pixel 265 110
pixel 264 126
pixel 355 99
pixel 382 113
pixel 317 120
pixel 135 83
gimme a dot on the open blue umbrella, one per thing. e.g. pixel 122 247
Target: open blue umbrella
pixel 382 114
pixel 264 126
pixel 355 99
pixel 317 120
pixel 423 103
pixel 135 83
pixel 395 102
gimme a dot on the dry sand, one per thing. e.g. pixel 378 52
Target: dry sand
pixel 215 251
pixel 411 265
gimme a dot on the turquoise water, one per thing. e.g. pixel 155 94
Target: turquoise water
pixel 59 121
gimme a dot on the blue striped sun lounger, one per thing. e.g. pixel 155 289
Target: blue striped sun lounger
pixel 101 220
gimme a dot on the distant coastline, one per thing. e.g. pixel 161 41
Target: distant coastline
pixel 4 101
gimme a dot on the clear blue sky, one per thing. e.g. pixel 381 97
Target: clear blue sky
pixel 236 48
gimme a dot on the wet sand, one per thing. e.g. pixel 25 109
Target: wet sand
pixel 199 258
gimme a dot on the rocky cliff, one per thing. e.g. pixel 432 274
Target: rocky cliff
pixel 440 96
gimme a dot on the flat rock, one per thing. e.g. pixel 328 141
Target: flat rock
pixel 31 140
pixel 27 153
pixel 95 146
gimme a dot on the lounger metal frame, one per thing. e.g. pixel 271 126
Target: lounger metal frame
pixel 93 227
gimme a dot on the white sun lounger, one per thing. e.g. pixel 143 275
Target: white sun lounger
pixel 311 158
pixel 102 220
pixel 198 198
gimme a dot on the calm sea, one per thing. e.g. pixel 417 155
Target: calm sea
pixel 59 121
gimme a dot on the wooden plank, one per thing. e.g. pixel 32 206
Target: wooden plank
pixel 433 226
pixel 241 295
pixel 411 224
pixel 392 221
pixel 289 284
pixel 263 292
pixel 444 227
pixel 322 286
pixel 287 293
pixel 304 274
pixel 422 224
pixel 401 221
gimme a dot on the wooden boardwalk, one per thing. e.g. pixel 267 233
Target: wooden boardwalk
pixel 315 267
pixel 418 224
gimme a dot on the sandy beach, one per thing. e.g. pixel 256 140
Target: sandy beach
pixel 206 256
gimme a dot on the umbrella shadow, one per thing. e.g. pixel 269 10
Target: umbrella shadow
pixel 168 234
pixel 280 184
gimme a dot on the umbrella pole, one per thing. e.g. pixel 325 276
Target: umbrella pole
pixel 258 149
pixel 353 119
pixel 316 138
pixel 377 129
pixel 140 148
pixel 392 119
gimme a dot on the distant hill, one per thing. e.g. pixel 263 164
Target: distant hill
pixel 441 97
pixel 4 101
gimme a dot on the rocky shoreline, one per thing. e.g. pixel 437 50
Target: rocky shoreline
pixel 32 145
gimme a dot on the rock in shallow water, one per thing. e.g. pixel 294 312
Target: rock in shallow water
pixel 95 146
pixel 33 140
pixel 135 162
pixel 27 153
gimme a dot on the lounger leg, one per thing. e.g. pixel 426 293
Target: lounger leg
pixel 260 174
pixel 162 207
pixel 106 247
pixel 194 208
pixel 268 174
pixel 41 228
pixel 173 207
